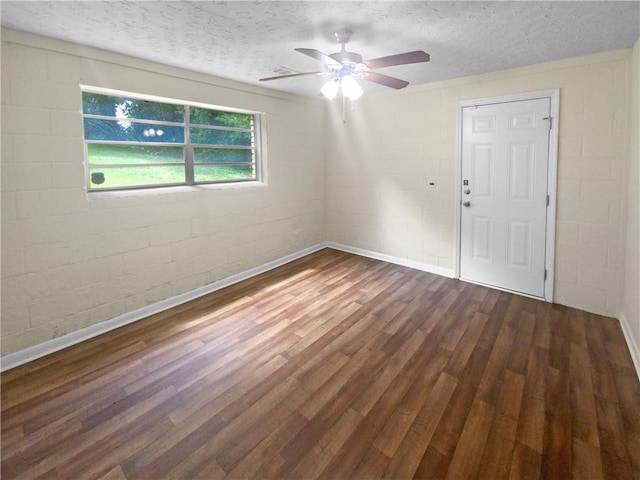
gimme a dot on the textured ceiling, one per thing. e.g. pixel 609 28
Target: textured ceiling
pixel 245 40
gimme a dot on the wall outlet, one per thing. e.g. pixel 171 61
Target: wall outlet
pixel 431 183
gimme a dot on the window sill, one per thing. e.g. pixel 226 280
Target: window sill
pixel 142 192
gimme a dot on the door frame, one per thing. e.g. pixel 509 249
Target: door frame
pixel 554 97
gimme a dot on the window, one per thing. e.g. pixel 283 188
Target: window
pixel 132 142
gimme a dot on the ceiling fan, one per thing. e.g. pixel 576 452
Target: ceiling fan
pixel 345 66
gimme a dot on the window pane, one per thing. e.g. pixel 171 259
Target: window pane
pixel 204 116
pixel 97 104
pixel 124 107
pixel 220 137
pixel 221 173
pixel 222 155
pixel 134 176
pixel 129 154
pixel 127 131
pixel 141 143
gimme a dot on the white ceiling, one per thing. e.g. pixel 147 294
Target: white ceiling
pixel 248 40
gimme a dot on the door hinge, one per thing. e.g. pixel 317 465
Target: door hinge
pixel 550 121
pixel 548 200
pixel 545 273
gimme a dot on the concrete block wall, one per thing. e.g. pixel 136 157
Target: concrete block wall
pixel 70 260
pixel 378 164
pixel 630 282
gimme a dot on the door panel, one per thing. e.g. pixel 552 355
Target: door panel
pixel 505 160
pixel 520 174
pixel 483 170
pixel 519 244
pixel 484 123
pixel 482 239
pixel 522 121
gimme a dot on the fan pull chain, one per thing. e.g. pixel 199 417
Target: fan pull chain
pixel 344 109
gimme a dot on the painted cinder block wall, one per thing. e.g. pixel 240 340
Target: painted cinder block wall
pixel 378 164
pixel 69 261
pixel 630 285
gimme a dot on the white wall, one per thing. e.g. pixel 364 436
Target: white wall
pixel 379 161
pixel 69 261
pixel 630 312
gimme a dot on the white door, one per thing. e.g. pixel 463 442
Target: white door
pixel 505 160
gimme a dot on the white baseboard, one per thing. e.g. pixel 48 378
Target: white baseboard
pixel 37 351
pixel 31 353
pixel 425 267
pixel 631 342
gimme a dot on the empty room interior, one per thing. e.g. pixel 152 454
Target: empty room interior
pixel 320 239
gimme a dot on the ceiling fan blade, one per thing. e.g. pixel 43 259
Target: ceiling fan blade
pixel 399 59
pixel 318 55
pixel 385 80
pixel 290 76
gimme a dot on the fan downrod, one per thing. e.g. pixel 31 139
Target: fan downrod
pixel 345 58
pixel 342 36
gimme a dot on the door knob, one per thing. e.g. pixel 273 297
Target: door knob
pixel 466 204
pixel 467 191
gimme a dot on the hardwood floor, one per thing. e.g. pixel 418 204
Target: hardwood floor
pixel 337 367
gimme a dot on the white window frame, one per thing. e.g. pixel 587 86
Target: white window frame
pixel 258 145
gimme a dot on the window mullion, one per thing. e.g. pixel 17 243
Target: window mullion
pixel 189 174
pixel 132 120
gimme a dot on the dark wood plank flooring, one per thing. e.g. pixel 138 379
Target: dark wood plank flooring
pixel 336 367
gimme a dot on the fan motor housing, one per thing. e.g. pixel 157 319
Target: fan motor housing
pixel 347 57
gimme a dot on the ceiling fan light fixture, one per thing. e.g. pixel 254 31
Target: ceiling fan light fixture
pixel 345 67
pixel 350 88
pixel 330 89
